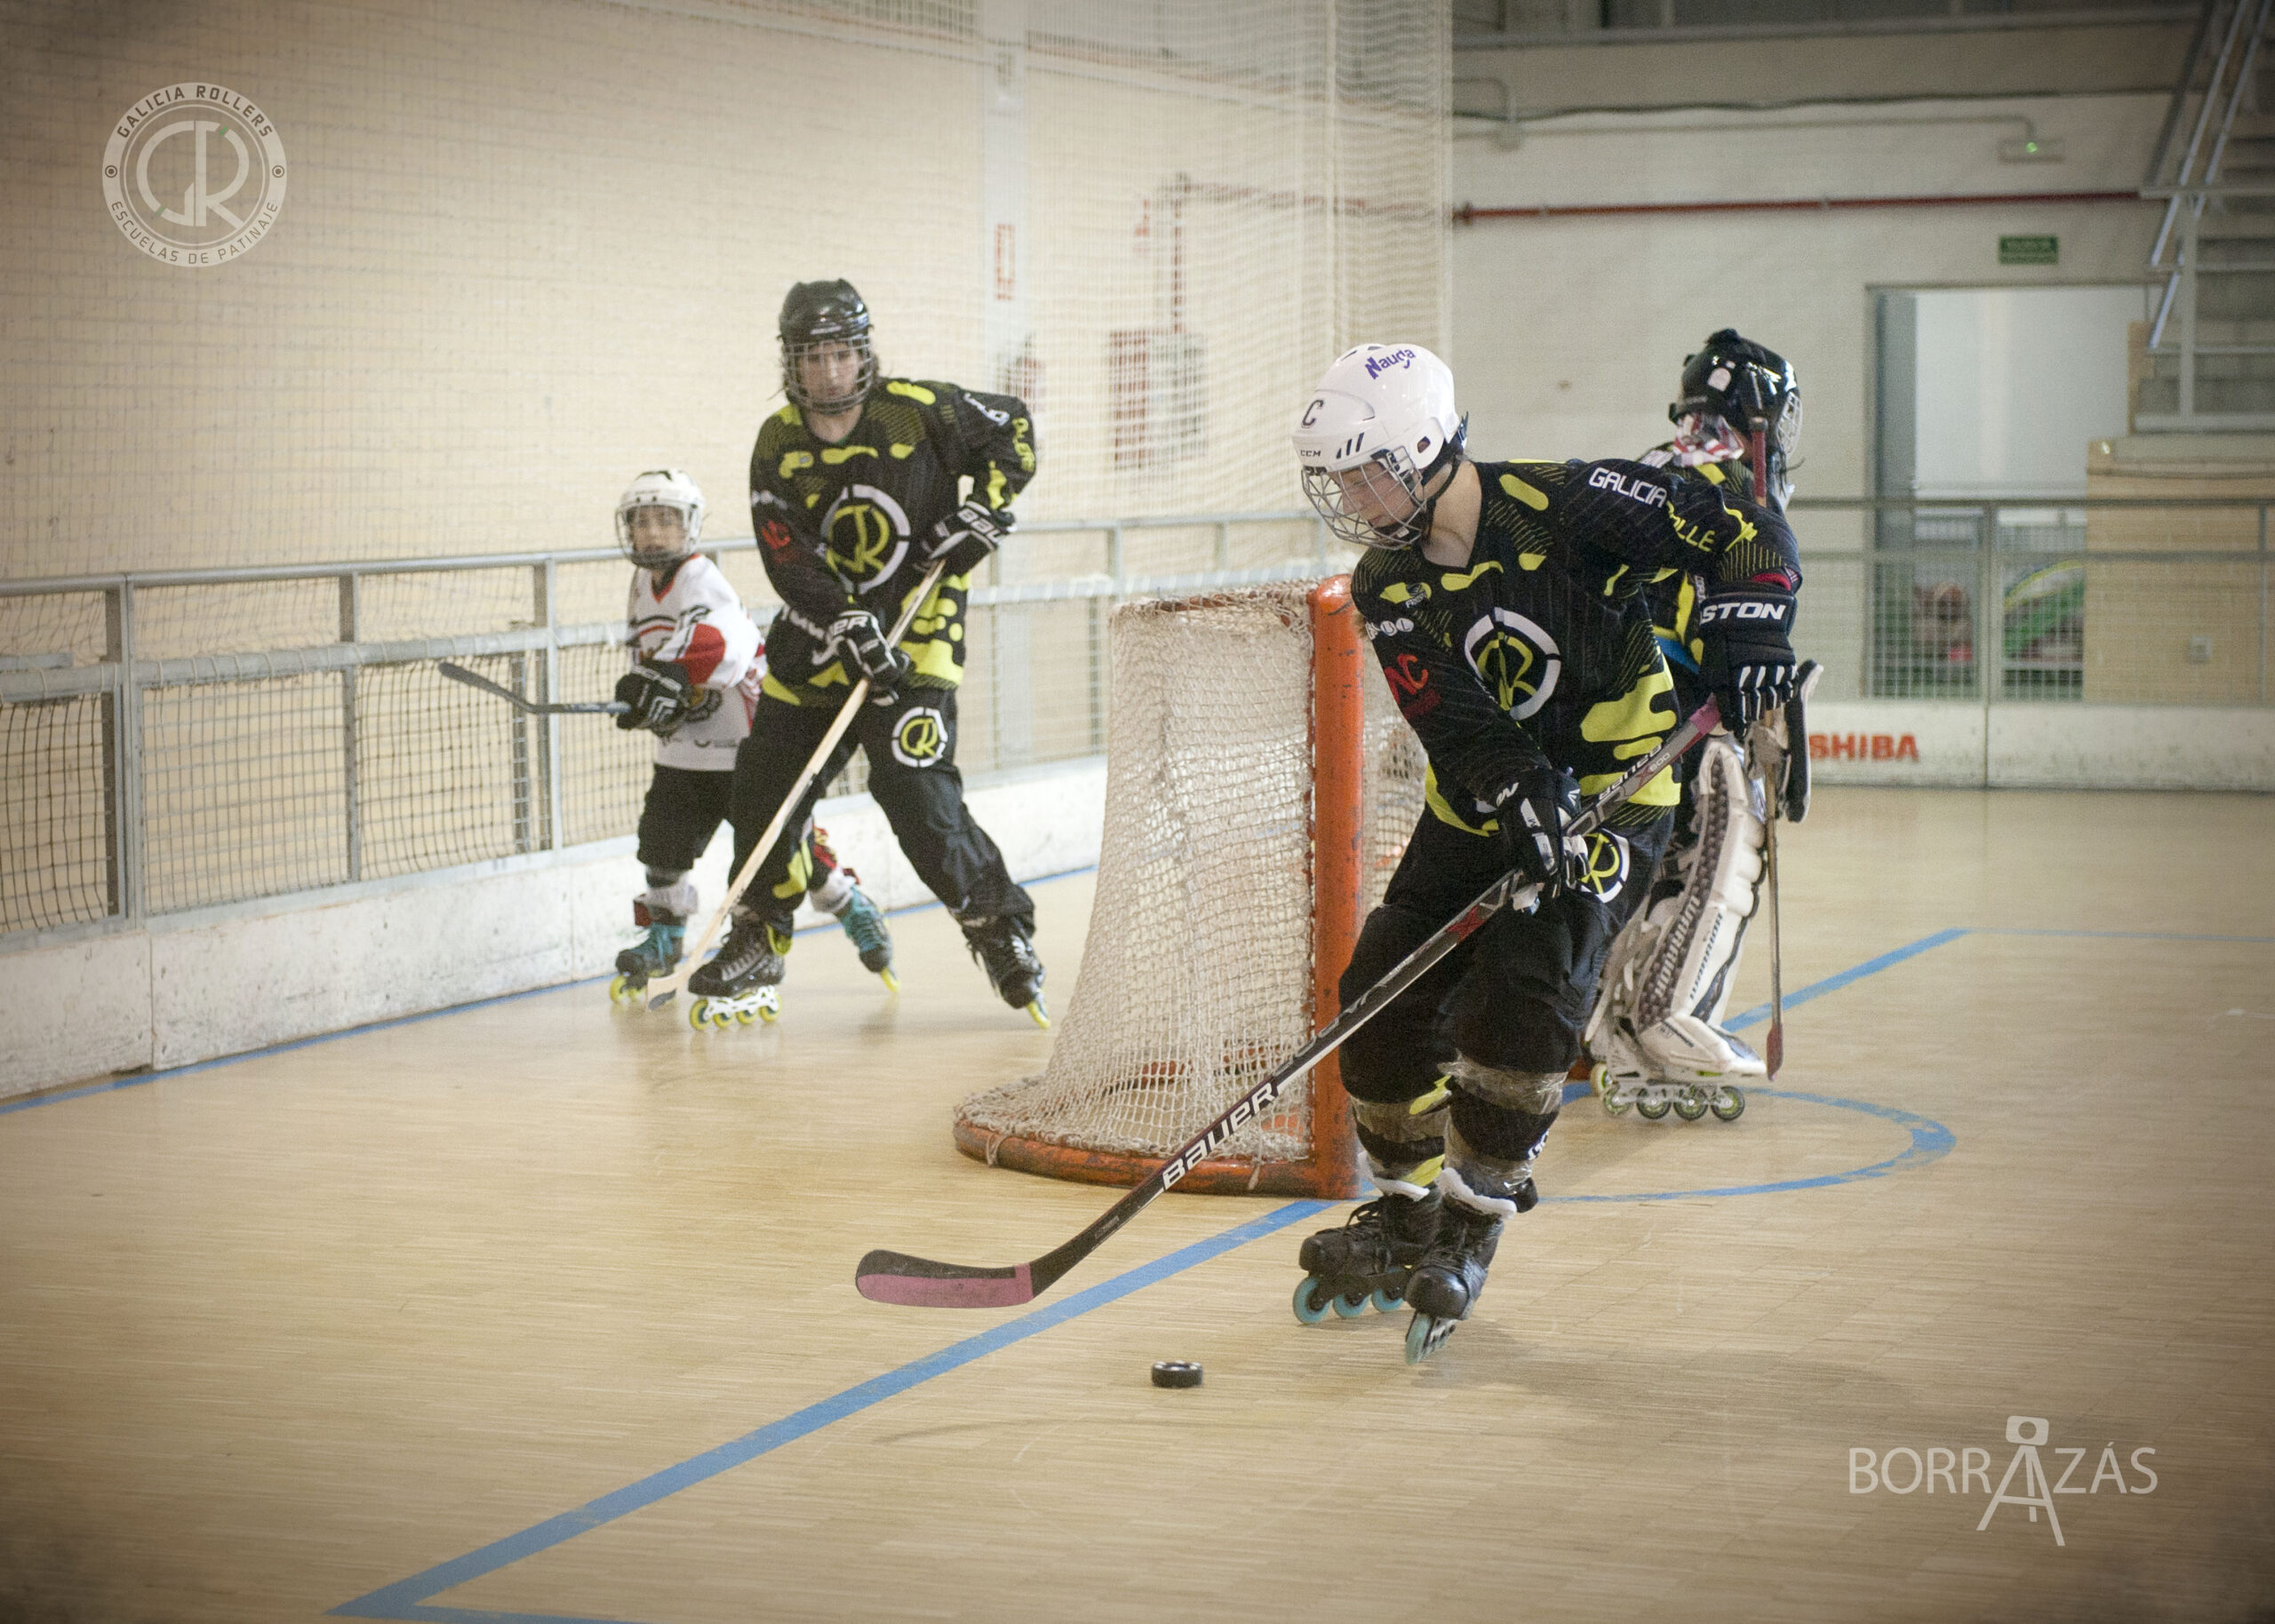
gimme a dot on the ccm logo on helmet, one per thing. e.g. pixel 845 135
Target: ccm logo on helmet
pixel 1634 490
pixel 1377 365
pixel 1750 609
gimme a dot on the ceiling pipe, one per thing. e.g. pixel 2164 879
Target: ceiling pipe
pixel 1469 214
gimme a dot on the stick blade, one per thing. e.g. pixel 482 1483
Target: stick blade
pixel 920 1283
pixel 1774 1056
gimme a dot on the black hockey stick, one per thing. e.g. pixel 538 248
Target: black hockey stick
pixel 530 707
pixel 894 1277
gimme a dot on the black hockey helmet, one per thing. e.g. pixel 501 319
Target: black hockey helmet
pixel 818 314
pixel 1745 385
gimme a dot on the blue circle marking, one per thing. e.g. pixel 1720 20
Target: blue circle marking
pixel 1930 1141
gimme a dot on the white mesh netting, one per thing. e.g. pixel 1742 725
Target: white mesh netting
pixel 1197 974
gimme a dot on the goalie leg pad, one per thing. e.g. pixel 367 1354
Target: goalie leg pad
pixel 1697 931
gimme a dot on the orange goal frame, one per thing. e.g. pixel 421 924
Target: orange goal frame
pixel 1339 716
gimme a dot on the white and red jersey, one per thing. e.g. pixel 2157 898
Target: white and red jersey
pixel 698 621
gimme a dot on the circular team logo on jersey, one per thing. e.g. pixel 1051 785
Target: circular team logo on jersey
pixel 920 737
pixel 866 535
pixel 1609 863
pixel 194 174
pixel 1518 662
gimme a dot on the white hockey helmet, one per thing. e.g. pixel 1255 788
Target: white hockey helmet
pixel 667 488
pixel 1380 425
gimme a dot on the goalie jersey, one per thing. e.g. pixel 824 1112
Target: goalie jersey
pixel 1541 646
pixel 845 526
pixel 698 620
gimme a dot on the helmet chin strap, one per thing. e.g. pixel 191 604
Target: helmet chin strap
pixel 1447 462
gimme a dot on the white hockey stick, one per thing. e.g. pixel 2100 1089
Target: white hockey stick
pixel 663 988
pixel 530 707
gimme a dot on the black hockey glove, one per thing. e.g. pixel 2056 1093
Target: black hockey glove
pixel 1534 814
pixel 1748 656
pixel 966 537
pixel 859 642
pixel 660 695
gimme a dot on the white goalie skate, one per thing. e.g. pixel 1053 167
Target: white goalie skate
pixel 1657 1031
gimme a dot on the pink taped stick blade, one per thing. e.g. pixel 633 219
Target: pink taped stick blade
pixel 995 1289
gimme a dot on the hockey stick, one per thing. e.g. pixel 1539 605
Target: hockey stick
pixel 663 988
pixel 530 707
pixel 1774 785
pixel 894 1277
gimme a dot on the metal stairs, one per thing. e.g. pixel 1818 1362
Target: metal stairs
pixel 2212 324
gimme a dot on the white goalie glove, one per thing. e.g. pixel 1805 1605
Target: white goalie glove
pixel 1667 978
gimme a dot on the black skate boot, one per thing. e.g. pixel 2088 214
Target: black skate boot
pixel 1448 1281
pixel 1368 1258
pixel 1004 950
pixel 740 983
pixel 654 954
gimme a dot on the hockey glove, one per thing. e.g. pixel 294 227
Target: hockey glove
pixel 966 537
pixel 660 695
pixel 1534 814
pixel 857 639
pixel 1747 633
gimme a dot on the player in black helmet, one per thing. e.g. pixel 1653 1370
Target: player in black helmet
pixel 856 488
pixel 1657 1034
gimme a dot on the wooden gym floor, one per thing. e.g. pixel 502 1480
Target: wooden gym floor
pixel 543 1310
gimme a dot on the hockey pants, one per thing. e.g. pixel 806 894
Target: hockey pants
pixel 1502 1015
pixel 911 747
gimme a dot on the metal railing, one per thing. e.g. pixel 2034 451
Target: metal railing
pixel 2037 599
pixel 184 739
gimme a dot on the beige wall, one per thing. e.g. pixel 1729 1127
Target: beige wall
pixel 530 248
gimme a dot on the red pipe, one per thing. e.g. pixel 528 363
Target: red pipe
pixel 1469 214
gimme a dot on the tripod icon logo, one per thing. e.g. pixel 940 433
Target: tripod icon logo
pixel 2028 1432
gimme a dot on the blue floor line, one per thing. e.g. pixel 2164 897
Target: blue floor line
pixel 393 1601
pixel 1833 983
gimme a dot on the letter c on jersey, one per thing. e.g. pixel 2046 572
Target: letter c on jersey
pixel 920 739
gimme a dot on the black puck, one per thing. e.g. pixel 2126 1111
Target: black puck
pixel 1176 1372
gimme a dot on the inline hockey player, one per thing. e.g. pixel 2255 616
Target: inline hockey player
pixel 1502 603
pixel 856 491
pixel 697 661
pixel 1656 1033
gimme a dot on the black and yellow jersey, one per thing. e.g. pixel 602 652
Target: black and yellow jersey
pixel 845 526
pixel 1540 648
pixel 1672 594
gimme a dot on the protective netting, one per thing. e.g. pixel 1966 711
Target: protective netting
pixel 54 837
pixel 1197 974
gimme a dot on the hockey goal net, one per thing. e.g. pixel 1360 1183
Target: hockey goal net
pixel 1260 788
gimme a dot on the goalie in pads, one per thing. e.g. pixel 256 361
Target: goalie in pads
pixel 1656 1033
pixel 697 662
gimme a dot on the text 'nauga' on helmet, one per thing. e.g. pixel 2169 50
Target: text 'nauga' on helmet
pixel 1379 428
pixel 820 318
pixel 653 546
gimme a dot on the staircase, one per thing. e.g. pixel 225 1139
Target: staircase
pixel 2212 327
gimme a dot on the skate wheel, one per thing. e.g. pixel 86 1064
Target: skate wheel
pixel 1352 1306
pixel 1426 1336
pixel 1386 1301
pixel 767 1013
pixel 1651 1110
pixel 1729 1104
pixel 1039 1015
pixel 1691 1107
pixel 1312 1302
pixel 893 983
pixel 742 1017
pixel 1600 1080
pixel 698 1014
pixel 619 991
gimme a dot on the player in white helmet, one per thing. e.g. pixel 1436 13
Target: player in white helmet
pixel 697 661
pixel 1657 1035
pixel 1501 601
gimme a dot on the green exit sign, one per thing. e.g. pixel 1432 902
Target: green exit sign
pixel 2030 250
